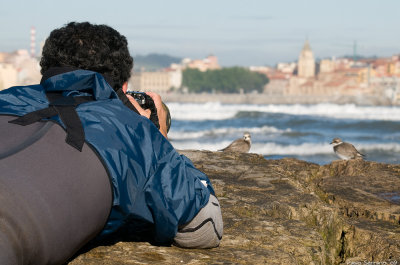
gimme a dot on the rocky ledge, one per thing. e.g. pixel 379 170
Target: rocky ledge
pixel 284 212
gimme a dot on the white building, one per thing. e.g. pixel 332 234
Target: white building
pixel 8 75
pixel 18 69
pixel 157 81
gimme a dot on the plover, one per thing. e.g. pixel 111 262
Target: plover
pixel 241 145
pixel 345 150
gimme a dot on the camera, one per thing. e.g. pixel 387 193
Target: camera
pixel 146 102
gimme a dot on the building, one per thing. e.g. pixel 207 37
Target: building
pixel 208 63
pixel 306 64
pixel 18 69
pixel 8 75
pixel 388 86
pixel 278 84
pixel 287 68
pixel 335 77
pixel 262 69
pixel 157 81
pixel 326 66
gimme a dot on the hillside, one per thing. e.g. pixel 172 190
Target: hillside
pixel 154 61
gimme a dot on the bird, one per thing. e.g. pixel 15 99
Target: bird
pixel 345 150
pixel 241 145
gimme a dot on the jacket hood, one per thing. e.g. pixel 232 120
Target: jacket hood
pixel 80 81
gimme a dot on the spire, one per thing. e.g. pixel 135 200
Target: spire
pixel 306 64
pixel 306 46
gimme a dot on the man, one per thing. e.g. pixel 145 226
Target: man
pixel 77 159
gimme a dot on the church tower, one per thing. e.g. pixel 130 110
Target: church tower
pixel 306 65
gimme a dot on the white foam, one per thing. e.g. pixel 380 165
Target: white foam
pixel 317 148
pixel 388 147
pixel 302 149
pixel 207 111
pixel 197 146
pixel 261 148
pixel 271 148
pixel 218 111
pixel 182 135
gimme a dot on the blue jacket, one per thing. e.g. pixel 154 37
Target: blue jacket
pixel 152 183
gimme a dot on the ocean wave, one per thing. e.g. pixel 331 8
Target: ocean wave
pixel 182 135
pixel 197 112
pixel 387 147
pixel 195 145
pixel 218 111
pixel 304 149
pixel 319 148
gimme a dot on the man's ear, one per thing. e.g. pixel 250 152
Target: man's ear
pixel 125 87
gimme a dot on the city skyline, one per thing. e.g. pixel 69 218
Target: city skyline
pixel 239 33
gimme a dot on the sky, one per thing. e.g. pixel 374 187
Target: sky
pixel 238 32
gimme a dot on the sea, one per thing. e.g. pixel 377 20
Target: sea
pixel 297 131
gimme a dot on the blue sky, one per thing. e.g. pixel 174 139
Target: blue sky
pixel 250 32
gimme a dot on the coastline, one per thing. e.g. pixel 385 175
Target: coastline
pixel 255 98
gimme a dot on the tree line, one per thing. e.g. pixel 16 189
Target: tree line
pixel 225 80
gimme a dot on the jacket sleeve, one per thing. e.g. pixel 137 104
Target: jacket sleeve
pixel 175 192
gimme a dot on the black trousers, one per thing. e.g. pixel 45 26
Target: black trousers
pixel 53 198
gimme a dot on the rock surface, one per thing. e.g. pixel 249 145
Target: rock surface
pixel 284 212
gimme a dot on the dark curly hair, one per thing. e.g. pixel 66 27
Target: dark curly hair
pixel 98 48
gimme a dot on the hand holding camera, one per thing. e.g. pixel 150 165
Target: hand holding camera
pixel 159 112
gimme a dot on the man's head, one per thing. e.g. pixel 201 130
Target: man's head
pixel 98 48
